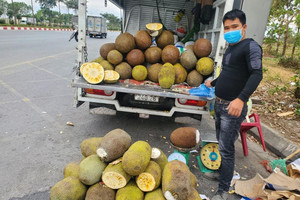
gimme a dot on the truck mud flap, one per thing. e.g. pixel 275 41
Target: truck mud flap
pixel 76 103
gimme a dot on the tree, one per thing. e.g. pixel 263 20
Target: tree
pixel 114 23
pixel 293 9
pixel 19 9
pixel 286 11
pixel 272 35
pixel 282 14
pixel 60 16
pixel 3 7
pixel 297 35
pixel 275 22
pixel 71 4
pixel 66 18
pixel 12 11
pixel 57 17
pixel 32 11
pixel 40 16
pixel 47 5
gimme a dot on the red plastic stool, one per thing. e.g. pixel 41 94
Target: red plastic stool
pixel 247 126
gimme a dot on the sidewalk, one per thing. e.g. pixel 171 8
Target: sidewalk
pixel 33 28
pixel 275 142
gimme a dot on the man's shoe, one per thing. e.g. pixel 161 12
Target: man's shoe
pixel 220 195
pixel 212 175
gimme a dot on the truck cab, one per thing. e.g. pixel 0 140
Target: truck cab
pixel 145 98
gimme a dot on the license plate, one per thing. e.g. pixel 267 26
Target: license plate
pixel 143 97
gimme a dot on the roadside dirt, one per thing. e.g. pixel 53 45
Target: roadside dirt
pixel 275 103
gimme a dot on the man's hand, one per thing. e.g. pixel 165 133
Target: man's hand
pixel 235 107
pixel 208 83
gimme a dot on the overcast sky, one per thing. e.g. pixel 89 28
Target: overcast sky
pixel 95 7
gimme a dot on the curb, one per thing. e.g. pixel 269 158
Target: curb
pixel 275 143
pixel 33 28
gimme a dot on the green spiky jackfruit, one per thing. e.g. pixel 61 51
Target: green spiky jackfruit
pixel 166 76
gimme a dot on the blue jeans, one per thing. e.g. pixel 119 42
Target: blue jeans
pixel 227 132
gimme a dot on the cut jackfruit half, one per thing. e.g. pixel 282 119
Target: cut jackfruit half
pixel 111 76
pixel 92 72
pixel 114 180
pixel 146 182
pixel 154 29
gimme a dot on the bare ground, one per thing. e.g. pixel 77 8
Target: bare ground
pixel 275 103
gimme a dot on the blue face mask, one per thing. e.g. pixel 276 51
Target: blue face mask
pixel 233 36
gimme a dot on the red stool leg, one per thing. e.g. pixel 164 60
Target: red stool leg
pixel 244 142
pixel 261 137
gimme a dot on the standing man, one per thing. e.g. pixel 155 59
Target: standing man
pixel 241 74
pixel 74 34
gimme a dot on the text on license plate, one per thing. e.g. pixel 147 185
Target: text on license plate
pixel 143 97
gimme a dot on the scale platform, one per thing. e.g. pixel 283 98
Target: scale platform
pixel 210 159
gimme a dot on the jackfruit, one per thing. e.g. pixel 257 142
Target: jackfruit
pixel 89 146
pixel 139 73
pixel 150 179
pixel 111 76
pixel 124 69
pixel 99 191
pixel 205 66
pixel 114 176
pixel 114 57
pixel 153 71
pixel 114 144
pixel 93 73
pixel 180 73
pixel 67 189
pixel 166 76
pixel 136 159
pixel 91 169
pixel 72 169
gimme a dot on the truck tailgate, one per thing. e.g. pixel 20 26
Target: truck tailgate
pixel 127 86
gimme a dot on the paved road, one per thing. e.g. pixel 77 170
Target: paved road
pixel 36 102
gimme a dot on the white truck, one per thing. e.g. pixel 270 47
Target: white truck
pixel 146 100
pixel 28 20
pixel 95 26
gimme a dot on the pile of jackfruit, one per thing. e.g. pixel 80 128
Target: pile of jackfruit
pixel 157 59
pixel 113 168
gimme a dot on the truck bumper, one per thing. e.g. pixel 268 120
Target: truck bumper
pixel 116 105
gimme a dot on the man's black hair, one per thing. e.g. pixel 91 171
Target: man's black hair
pixel 235 13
